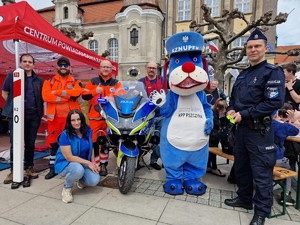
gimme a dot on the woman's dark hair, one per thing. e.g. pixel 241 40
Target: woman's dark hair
pixel 69 128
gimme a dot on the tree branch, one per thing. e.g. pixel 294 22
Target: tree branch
pixel 237 67
pixel 85 36
pixel 291 52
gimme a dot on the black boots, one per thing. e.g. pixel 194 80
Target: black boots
pixel 53 150
pixel 236 202
pixel 51 174
pixel 103 170
pixel 257 220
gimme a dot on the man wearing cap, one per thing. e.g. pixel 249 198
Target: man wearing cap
pixel 60 93
pixel 99 87
pixel 257 92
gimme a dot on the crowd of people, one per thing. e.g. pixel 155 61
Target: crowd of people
pixel 264 106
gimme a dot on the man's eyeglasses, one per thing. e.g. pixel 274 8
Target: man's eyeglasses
pixel 151 68
pixel 105 67
pixel 63 65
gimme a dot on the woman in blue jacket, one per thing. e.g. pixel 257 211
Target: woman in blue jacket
pixel 74 158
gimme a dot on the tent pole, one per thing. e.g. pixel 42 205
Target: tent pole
pixel 17 53
pixel 18 121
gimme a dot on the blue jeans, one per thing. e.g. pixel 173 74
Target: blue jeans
pixel 284 162
pixel 76 171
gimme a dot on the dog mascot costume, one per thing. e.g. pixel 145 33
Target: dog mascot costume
pixel 188 117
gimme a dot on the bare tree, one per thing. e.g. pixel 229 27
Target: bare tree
pixel 230 57
pixel 85 36
pixel 70 32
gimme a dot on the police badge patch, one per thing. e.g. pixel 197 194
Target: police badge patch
pixel 272 92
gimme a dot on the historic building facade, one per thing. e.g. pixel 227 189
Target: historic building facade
pixel 134 31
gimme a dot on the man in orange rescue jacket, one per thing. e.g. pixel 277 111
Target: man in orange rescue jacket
pixel 60 93
pixel 103 85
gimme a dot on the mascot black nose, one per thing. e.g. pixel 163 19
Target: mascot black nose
pixel 188 67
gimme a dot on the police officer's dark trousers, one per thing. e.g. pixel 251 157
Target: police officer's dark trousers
pixel 255 157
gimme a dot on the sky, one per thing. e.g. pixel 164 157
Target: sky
pixel 288 33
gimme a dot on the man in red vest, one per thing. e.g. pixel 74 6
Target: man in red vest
pixel 154 82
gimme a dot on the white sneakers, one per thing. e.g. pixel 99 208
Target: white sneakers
pixel 67 196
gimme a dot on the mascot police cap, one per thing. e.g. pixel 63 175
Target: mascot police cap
pixel 184 42
pixel 256 35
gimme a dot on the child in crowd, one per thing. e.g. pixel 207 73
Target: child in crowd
pixel 281 131
pixel 219 109
pixel 289 114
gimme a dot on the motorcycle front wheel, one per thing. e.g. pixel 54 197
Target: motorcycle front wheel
pixel 126 174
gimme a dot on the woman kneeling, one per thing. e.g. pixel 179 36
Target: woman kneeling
pixel 74 158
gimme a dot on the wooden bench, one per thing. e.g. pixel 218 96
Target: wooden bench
pixel 279 175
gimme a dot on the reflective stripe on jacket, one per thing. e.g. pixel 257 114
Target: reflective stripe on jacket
pixel 69 93
pixel 109 89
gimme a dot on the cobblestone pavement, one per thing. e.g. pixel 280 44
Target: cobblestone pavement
pixel 213 197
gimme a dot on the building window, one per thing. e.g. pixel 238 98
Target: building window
pixel 134 37
pixel 93 46
pixel 239 42
pixel 243 6
pixel 215 7
pixel 66 13
pixel 184 10
pixel 113 48
pixel 210 27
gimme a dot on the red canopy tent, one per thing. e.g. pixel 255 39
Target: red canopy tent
pixel 36 36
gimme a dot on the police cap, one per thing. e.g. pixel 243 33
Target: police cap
pixel 256 35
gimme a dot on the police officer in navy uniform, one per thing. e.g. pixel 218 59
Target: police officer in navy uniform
pixel 257 92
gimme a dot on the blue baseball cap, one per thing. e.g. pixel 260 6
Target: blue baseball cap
pixel 184 42
pixel 256 35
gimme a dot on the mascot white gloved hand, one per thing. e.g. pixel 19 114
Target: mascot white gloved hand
pixel 188 118
pixel 158 98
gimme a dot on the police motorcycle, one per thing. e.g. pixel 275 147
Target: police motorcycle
pixel 130 129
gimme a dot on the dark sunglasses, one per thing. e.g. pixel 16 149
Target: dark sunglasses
pixel 63 65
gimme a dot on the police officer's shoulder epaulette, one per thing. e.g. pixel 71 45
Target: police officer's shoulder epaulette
pixel 271 66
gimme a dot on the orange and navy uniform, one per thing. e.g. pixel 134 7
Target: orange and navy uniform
pixel 61 95
pixel 109 88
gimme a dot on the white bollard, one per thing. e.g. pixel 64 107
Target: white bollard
pixel 18 126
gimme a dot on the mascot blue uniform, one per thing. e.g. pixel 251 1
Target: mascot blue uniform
pixel 188 117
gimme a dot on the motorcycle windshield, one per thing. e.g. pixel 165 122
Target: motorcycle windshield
pixel 130 109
